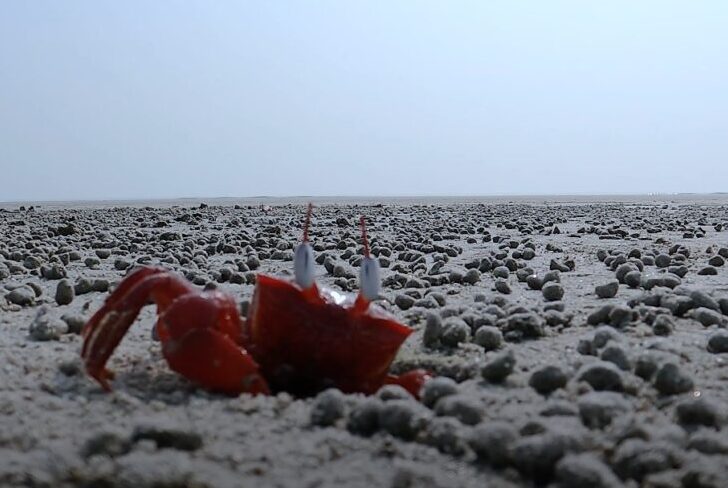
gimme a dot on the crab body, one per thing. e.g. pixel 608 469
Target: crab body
pixel 296 338
pixel 307 340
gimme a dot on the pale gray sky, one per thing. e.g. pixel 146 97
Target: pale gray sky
pixel 169 99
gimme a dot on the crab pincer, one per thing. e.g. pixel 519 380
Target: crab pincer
pixel 199 332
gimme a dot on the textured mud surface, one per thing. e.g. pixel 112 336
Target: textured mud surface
pixel 577 344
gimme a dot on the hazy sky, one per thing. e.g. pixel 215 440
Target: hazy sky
pixel 180 98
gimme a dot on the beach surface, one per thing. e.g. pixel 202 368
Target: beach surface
pixel 575 341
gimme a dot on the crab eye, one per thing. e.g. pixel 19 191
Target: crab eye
pixel 303 270
pixel 370 278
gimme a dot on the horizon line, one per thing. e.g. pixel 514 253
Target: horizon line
pixel 354 197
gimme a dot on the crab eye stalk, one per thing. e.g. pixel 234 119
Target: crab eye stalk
pixel 303 265
pixel 370 278
pixel 370 275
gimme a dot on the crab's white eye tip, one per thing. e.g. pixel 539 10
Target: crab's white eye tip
pixel 370 278
pixel 303 265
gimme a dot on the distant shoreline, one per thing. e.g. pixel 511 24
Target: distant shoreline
pixel 700 198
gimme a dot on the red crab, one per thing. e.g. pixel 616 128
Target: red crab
pixel 297 337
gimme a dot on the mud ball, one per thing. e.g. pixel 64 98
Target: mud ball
pixel 525 324
pixel 253 263
pixel 699 411
pixel 603 335
pixel 467 410
pixel 491 442
pixel 32 262
pixel 22 295
pixel 679 271
pixel 555 265
pixel 671 380
pixel 601 375
pixel 74 322
pixel 167 437
pixel 502 286
pixel 716 261
pixel 436 388
pixel 718 342
pixel 663 325
pixel 501 272
pixel 707 441
pixel 455 332
pixel 707 317
pixel 64 292
pixel 633 279
pixel 536 456
pixel 599 408
pixel 548 379
pixel 327 408
pixel 670 280
pixel 103 253
pixel 580 470
pixel 620 316
pixel 607 290
pixel 488 337
pixel 552 292
pixel 625 269
pixel 393 392
pixel 471 277
pixel 401 418
pixel 497 369
pixel 364 417
pixel 439 298
pixel 708 271
pixel 600 315
pixel 528 254
pixel 553 275
pixel 662 261
pixel 433 330
pixel 111 444
pixel 636 458
pixel 444 434
pixel 46 327
pixel 702 299
pixel 646 365
pixel 100 285
pixel 53 272
pixel 404 302
pixel 617 356
pixel 534 282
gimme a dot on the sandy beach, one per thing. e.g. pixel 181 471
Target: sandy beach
pixel 575 341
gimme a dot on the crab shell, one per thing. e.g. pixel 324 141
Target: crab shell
pixel 307 340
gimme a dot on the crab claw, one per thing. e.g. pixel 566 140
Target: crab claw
pixel 199 331
pixel 208 352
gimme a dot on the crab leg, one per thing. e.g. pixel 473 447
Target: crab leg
pixel 120 292
pixel 105 329
pixel 412 381
pixel 201 338
pixel 215 361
